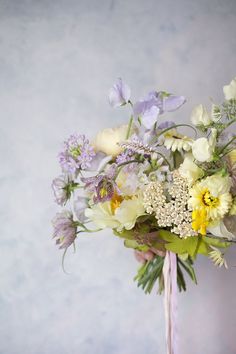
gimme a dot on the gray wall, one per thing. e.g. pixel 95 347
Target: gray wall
pixel 57 62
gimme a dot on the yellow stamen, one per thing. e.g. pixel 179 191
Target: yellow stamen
pixel 209 200
pixel 115 202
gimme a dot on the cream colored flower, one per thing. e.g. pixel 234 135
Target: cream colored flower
pixel 176 141
pixel 219 229
pixel 212 194
pixel 119 213
pixel 189 170
pixel 108 140
pixel 200 116
pixel 203 148
pixel 230 90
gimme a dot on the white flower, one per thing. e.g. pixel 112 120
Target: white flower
pixel 230 90
pixel 189 170
pixel 212 195
pixel 119 213
pixel 176 141
pixel 203 149
pixel 200 116
pixel 108 140
pixel 219 229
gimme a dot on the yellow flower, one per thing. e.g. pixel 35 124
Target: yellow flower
pixel 119 213
pixel 200 221
pixel 212 195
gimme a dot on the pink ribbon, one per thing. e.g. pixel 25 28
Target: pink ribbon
pixel 170 301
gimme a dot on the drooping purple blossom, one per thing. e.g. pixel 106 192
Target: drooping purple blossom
pixel 77 154
pixel 60 189
pixel 103 186
pixel 64 229
pixel 119 94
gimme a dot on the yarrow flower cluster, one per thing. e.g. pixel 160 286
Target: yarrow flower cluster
pixel 169 205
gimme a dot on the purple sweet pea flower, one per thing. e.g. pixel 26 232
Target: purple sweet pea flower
pixel 119 94
pixel 77 154
pixel 171 103
pixel 165 125
pixel 154 104
pixel 64 229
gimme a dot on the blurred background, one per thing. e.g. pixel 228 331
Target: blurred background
pixel 58 60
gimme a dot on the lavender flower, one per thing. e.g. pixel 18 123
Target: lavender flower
pixel 119 94
pixel 64 229
pixel 77 154
pixel 125 156
pixel 165 125
pixel 60 187
pixel 154 104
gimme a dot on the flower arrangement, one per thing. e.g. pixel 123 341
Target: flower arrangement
pixel 168 195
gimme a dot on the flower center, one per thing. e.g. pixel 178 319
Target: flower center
pixel 116 201
pixel 75 151
pixel 209 200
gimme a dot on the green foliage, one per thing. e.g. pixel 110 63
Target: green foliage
pixel 149 273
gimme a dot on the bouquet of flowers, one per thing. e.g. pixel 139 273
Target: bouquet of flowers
pixel 167 195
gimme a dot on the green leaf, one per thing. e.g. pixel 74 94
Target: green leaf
pixel 180 246
pixel 215 242
pixel 189 269
pixel 127 234
pixel 135 245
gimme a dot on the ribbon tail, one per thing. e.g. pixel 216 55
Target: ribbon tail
pixel 170 301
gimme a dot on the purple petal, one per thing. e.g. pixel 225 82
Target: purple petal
pixel 149 118
pixel 167 124
pixel 172 103
pixel 119 94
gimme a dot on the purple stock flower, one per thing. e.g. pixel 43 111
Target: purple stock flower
pixel 77 154
pixel 119 94
pixel 64 229
pixel 60 189
pixel 154 104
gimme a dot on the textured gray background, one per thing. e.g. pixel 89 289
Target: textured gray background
pixel 57 62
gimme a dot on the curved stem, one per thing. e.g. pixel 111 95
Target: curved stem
pixel 176 126
pixel 231 140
